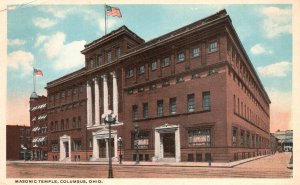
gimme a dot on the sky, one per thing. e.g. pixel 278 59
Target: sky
pixel 50 38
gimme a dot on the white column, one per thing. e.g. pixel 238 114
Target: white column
pixel 89 103
pixel 106 144
pixel 177 146
pixel 157 144
pixel 116 146
pixel 62 150
pixel 95 148
pixel 105 94
pixel 115 95
pixel 97 111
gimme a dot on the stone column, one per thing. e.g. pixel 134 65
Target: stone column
pixel 89 104
pixel 115 95
pixel 177 146
pixel 116 146
pixel 95 148
pixel 106 144
pixel 62 150
pixel 105 94
pixel 157 145
pixel 97 111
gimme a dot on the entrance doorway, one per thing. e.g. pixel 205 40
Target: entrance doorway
pixel 102 148
pixel 169 144
pixel 66 146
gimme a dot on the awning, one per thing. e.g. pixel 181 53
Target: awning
pixel 23 147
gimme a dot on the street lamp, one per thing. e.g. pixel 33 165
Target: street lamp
pixel 109 119
pixel 120 142
pixel 136 140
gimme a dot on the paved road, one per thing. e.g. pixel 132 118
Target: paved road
pixel 274 166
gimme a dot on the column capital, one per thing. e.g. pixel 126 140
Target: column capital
pixel 96 79
pixel 88 83
pixel 104 77
pixel 113 74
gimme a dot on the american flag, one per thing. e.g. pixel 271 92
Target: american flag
pixel 38 72
pixel 113 11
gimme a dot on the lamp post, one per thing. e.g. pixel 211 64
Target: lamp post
pixel 136 140
pixel 120 142
pixel 109 119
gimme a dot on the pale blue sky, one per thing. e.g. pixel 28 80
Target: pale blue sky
pixel 51 37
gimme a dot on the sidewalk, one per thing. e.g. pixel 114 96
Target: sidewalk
pixel 144 163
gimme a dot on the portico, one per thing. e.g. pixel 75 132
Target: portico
pixel 65 148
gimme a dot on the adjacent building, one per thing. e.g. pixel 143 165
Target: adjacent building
pixel 285 140
pixel 39 126
pixel 193 94
pixel 18 142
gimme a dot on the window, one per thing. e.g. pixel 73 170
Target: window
pixel 145 110
pixel 52 126
pixel 63 94
pixel 74 122
pixel 180 57
pixel 67 123
pixel 191 102
pixel 165 62
pixel 21 139
pixel 134 112
pixel 27 132
pixel 153 66
pixel 76 145
pixel 234 100
pixel 213 46
pixel 108 57
pixel 160 109
pixel 199 137
pixel 62 125
pixel 234 136
pixel 142 140
pixel 141 69
pixel 206 101
pixel 91 63
pixel 54 146
pixel 130 73
pixel 242 137
pixel 117 52
pixel 56 125
pixel 196 52
pixel 99 60
pixel 79 122
pixel 172 106
pixel 179 79
pixel 248 139
pixel 69 92
pixel 21 131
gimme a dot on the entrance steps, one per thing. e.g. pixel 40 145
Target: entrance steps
pixel 167 160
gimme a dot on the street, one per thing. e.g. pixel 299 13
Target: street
pixel 274 166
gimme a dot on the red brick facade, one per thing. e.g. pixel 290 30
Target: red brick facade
pixel 17 137
pixel 193 93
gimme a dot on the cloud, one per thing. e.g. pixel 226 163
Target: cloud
pixel 44 22
pixel 16 42
pixel 280 69
pixel 280 109
pixel 64 55
pixel 258 49
pixel 57 12
pixel 21 61
pixel 277 22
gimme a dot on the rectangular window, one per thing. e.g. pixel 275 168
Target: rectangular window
pixel 191 102
pixel 180 57
pixel 153 66
pixel 242 138
pixel 76 145
pixel 253 141
pixel 199 137
pixel 54 146
pixel 67 123
pixel 27 132
pixel 63 94
pixel 145 110
pixel 79 122
pixel 91 64
pixel 172 106
pixel 179 79
pixel 196 52
pixel 130 73
pixel 248 139
pixel 108 57
pixel 74 122
pixel 117 52
pixel 234 136
pixel 160 109
pixel 62 125
pixel 134 112
pixel 141 69
pixel 213 46
pixel 206 101
pixel 165 62
pixel 99 60
pixel 142 141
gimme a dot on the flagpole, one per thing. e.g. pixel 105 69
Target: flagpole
pixel 34 79
pixel 105 17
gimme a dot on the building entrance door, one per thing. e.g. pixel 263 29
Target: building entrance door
pixel 66 145
pixel 102 148
pixel 169 144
